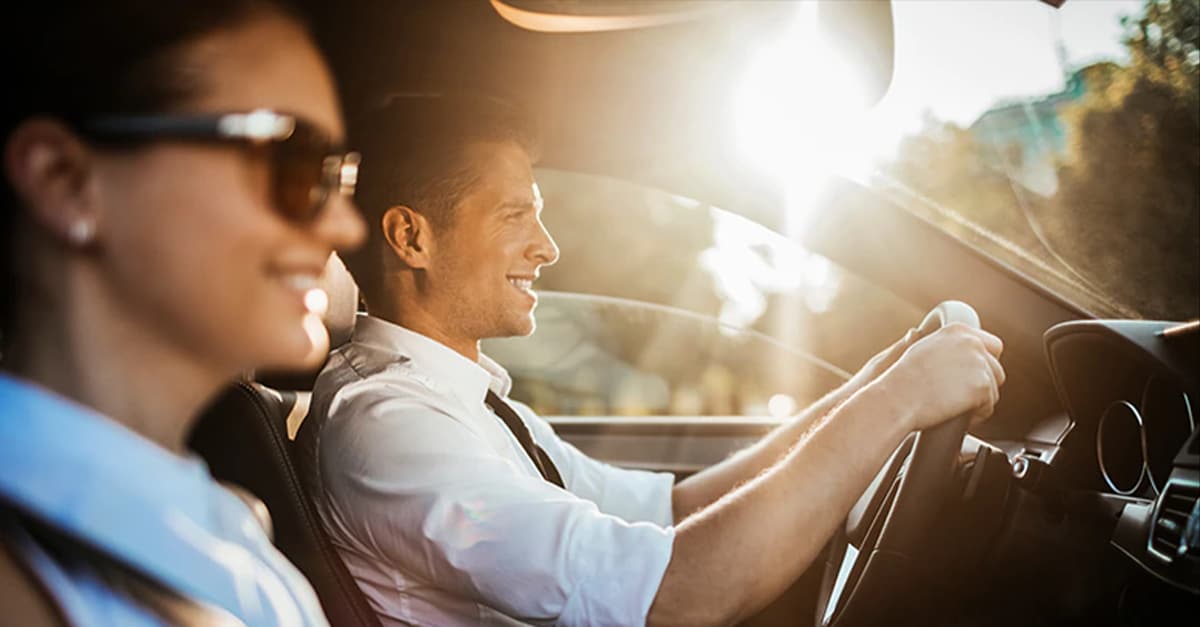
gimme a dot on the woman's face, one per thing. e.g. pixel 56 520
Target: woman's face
pixel 191 246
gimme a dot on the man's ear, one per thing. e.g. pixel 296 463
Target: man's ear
pixel 409 236
pixel 51 171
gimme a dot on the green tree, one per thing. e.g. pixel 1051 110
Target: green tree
pixel 1166 38
pixel 1128 207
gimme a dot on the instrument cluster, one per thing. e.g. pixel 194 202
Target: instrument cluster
pixel 1131 392
pixel 1137 439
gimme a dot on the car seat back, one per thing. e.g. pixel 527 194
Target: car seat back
pixel 244 438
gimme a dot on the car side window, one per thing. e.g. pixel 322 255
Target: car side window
pixel 664 306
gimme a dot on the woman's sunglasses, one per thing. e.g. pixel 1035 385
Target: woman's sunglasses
pixel 307 167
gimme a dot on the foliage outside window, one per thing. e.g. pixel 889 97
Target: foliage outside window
pixel 1093 190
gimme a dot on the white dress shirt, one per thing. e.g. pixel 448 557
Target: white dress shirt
pixel 441 516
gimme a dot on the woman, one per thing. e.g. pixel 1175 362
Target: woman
pixel 174 184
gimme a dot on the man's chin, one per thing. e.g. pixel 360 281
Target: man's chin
pixel 526 329
pixel 511 327
pixel 520 328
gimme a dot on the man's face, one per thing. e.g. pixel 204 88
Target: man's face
pixel 487 259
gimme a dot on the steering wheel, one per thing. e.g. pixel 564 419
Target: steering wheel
pixel 878 544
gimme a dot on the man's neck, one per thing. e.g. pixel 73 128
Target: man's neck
pixel 421 321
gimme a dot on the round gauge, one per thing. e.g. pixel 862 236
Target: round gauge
pixel 1169 421
pixel 1120 448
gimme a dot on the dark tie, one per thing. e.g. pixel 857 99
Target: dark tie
pixel 518 428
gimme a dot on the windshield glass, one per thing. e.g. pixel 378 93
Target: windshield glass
pixel 1065 142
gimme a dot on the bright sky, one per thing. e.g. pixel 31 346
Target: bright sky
pixel 953 59
pixel 958 58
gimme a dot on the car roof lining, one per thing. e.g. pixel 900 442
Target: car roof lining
pixel 653 105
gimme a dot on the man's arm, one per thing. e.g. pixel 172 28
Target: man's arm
pixel 705 487
pixel 736 555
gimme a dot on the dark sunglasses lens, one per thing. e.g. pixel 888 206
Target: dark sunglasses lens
pixel 301 188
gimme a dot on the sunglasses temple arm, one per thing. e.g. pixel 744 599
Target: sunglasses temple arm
pixel 154 126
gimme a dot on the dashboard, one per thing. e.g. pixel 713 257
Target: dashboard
pixel 1132 392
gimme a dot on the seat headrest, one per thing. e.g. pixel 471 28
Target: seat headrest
pixel 339 320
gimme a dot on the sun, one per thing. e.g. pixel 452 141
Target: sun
pixel 801 110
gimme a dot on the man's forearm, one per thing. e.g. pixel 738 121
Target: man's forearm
pixel 710 484
pixel 733 557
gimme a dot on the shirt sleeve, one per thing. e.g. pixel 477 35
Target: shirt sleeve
pixel 633 495
pixel 427 494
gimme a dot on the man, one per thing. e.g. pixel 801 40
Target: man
pixel 454 505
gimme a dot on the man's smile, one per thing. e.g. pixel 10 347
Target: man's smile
pixel 524 284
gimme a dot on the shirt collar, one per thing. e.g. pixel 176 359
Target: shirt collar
pixel 469 381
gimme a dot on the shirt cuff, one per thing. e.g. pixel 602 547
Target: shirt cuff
pixel 621 583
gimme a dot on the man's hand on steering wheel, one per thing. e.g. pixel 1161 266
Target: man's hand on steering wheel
pixel 950 372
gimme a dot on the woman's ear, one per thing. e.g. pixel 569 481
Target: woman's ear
pixel 409 236
pixel 51 171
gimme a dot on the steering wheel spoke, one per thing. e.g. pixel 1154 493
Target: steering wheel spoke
pixel 864 513
pixel 846 566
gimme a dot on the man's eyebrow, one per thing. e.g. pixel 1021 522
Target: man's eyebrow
pixel 524 203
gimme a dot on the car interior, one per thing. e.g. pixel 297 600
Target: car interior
pixel 1077 503
pixel 246 437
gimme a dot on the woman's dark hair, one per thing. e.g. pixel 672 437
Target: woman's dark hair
pixel 78 59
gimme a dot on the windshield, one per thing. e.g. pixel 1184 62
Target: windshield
pixel 1063 142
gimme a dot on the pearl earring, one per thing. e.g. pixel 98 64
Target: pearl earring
pixel 80 233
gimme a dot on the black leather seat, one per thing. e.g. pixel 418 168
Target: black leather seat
pixel 243 436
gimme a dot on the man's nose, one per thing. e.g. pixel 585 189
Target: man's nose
pixel 544 250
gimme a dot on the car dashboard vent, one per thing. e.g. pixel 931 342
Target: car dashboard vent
pixel 1173 532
